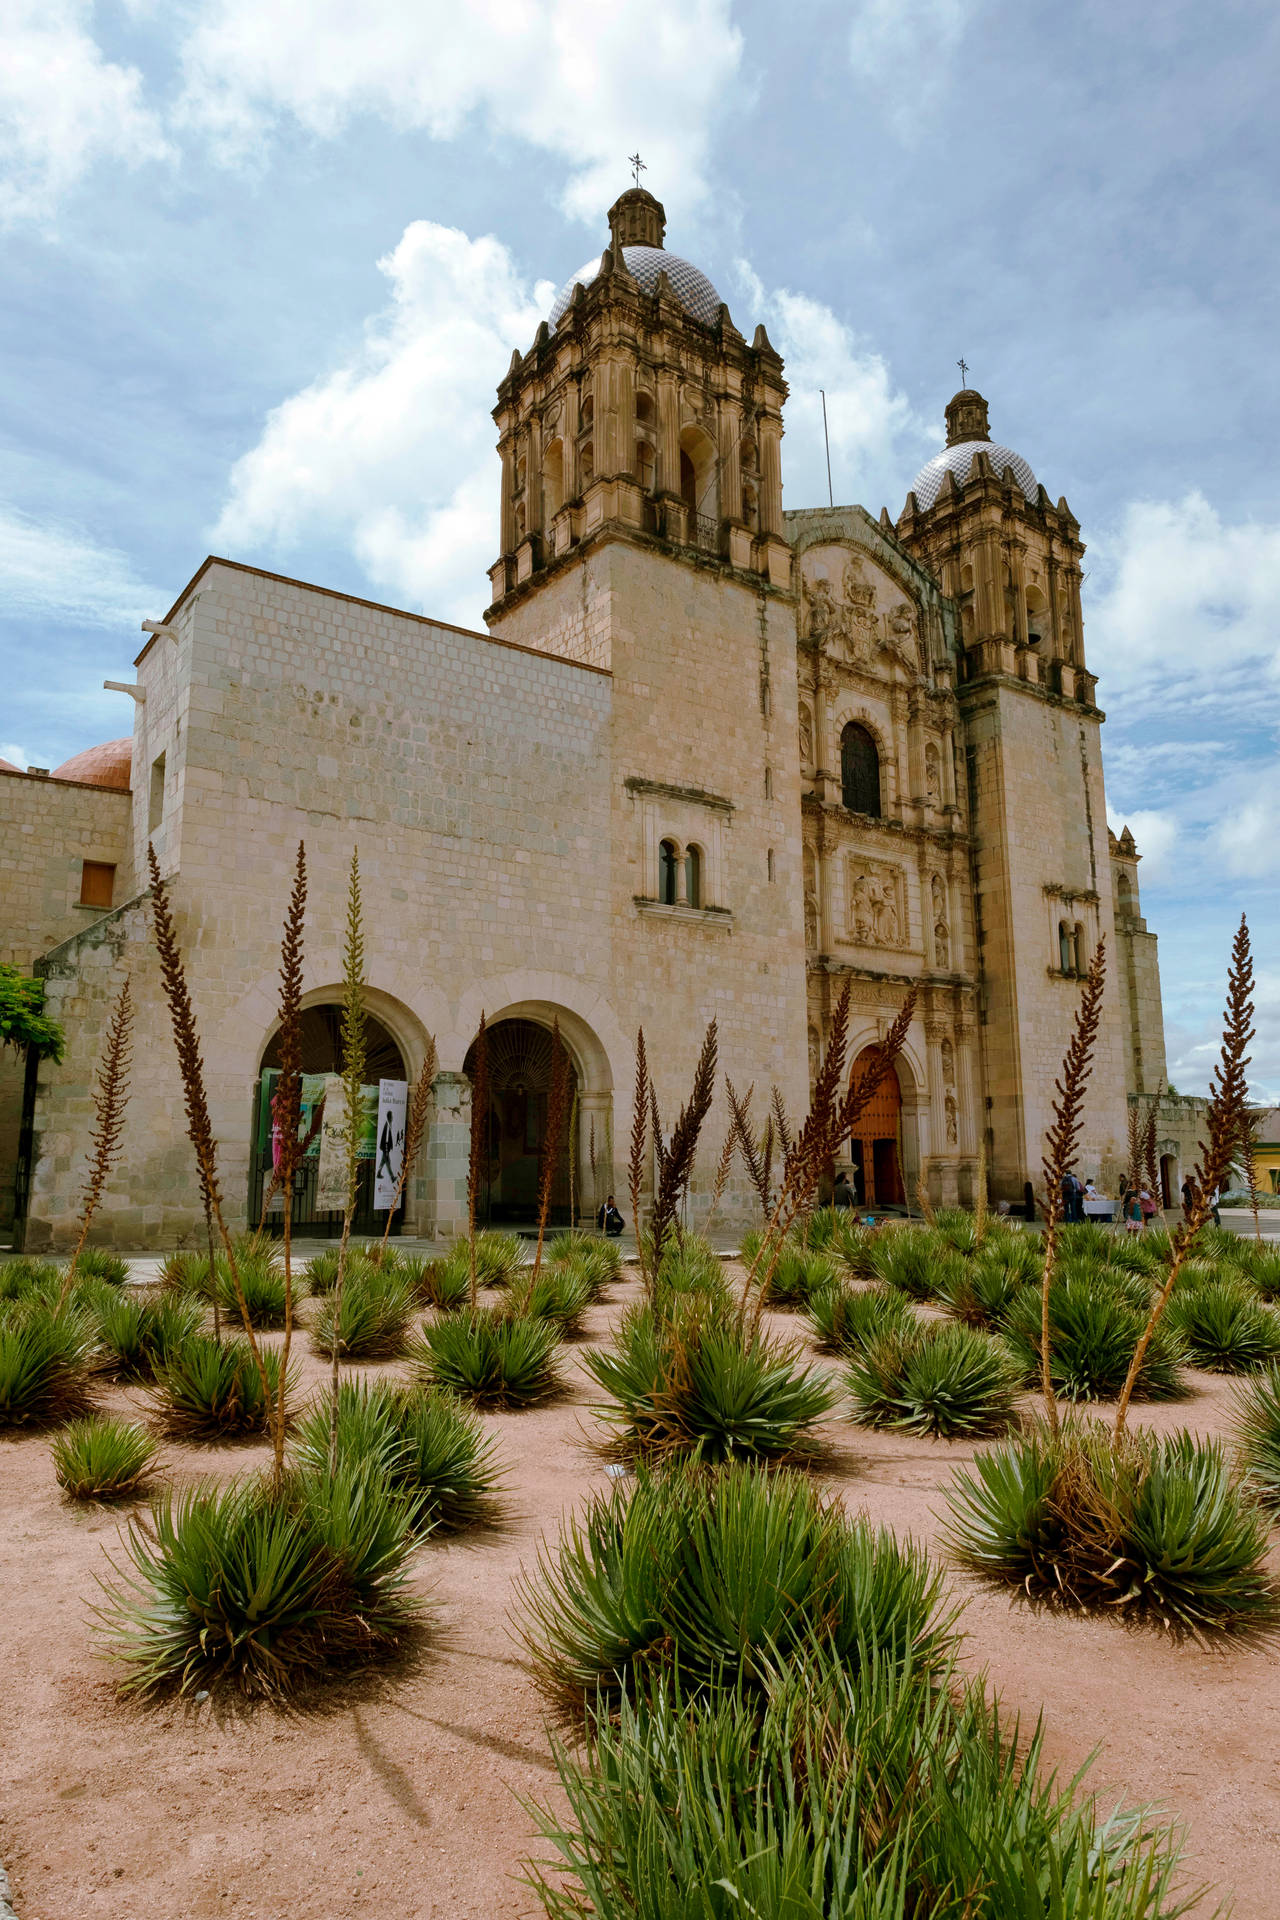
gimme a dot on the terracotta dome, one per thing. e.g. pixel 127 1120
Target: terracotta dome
pixel 106 766
pixel 7 766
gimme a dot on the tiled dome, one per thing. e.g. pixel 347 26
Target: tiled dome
pixel 927 484
pixel 692 288
pixel 109 765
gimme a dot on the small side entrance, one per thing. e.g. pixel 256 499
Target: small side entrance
pixel 519 1083
pixel 875 1143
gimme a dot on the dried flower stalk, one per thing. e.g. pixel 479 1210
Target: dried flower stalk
pixel 479 1144
pixel 782 1125
pixel 925 1204
pixel 109 1104
pixel 639 1141
pixel 186 1040
pixel 414 1127
pixel 557 1101
pixel 676 1163
pixel 980 1194
pixel 1149 1150
pixel 1228 1108
pixel 1061 1142
pixel 1133 1169
pixel 573 1156
pixel 752 1158
pixel 723 1166
pixel 289 1109
pixel 352 1040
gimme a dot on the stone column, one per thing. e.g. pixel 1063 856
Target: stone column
pixel 533 478
pixel 666 466
pixel 595 1110
pixel 730 434
pixel 770 475
pixel 507 451
pixel 448 1158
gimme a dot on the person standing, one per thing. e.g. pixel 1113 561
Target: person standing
pixel 843 1195
pixel 1190 1194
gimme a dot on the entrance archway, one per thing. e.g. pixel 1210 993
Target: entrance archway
pixel 321 1035
pixel 1169 1182
pixel 519 1057
pixel 875 1145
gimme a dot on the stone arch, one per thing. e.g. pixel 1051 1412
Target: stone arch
pixel 552 480
pixel 698 473
pixel 861 770
pixel 854 712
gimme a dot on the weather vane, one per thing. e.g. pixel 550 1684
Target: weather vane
pixel 637 166
pixel 964 371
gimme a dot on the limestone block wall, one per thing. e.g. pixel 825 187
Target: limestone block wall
pixel 48 828
pixel 1037 810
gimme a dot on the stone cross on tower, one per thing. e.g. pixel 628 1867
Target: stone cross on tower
pixel 964 372
pixel 637 166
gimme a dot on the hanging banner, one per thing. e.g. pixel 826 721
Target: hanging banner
pixel 393 1099
pixel 331 1175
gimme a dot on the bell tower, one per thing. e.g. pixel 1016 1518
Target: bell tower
pixel 1031 730
pixel 641 414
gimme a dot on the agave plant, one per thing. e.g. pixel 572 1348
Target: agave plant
pixel 44 1364
pixel 798 1274
pixel 98 1263
pixel 1224 1326
pixel 103 1458
pixel 980 1291
pixel 372 1319
pixel 691 1267
pixel 499 1257
pixel 207 1389
pixel 137 1334
pixel 261 1287
pixel 1258 1417
pixel 492 1357
pixel 714 1579
pixel 25 1278
pixel 1260 1266
pixel 267 1588
pixel 1093 1336
pixel 847 1319
pixel 560 1294
pixel 603 1256
pixel 852 1245
pixel 688 1382
pixel 915 1262
pixel 947 1381
pixel 322 1271
pixel 956 1228
pixel 422 1440
pixel 1159 1528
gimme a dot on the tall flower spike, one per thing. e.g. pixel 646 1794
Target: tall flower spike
pixel 109 1105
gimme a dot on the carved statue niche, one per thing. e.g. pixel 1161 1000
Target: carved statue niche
pixel 932 774
pixel 876 913
pixel 953 1119
pixel 947 1054
pixel 942 946
pixel 858 624
pixel 806 736
pixel 902 633
pixel 938 895
pixel 810 900
pixel 815 1055
pixel 822 610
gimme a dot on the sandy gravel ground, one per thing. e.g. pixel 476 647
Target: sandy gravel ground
pixel 400 1799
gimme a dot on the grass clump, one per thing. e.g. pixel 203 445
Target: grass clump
pixel 264 1588
pixel 103 1458
pixel 847 1319
pixel 603 1256
pixel 1093 1333
pixel 915 1262
pixel 423 1441
pixel 1158 1528
pixel 1258 1426
pixel 687 1382
pixel 492 1357
pixel 26 1278
pixel 798 1274
pixel 208 1389
pixel 44 1365
pixel 950 1382
pixel 99 1263
pixel 137 1334
pixel 560 1294
pixel 980 1291
pixel 372 1319
pixel 711 1579
pixel 1224 1326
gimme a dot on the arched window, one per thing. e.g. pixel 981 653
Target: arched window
pixel 587 460
pixel 859 770
pixel 588 414
pixel 644 464
pixel 693 877
pixel 1066 948
pixel 667 873
pixel 644 405
pixel 1082 961
pixel 1037 616
pixel 552 480
pixel 1124 893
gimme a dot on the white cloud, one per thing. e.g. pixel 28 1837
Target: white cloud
pixel 1156 834
pixel 1184 602
pixel 579 79
pixel 63 107
pixel 52 571
pixel 900 50
pixel 14 755
pixel 392 452
pixel 877 442
pixel 1196 1043
pixel 1247 836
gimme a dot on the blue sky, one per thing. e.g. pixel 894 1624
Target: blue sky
pixel 264 265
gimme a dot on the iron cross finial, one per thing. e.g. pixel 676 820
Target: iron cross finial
pixel 637 166
pixel 964 372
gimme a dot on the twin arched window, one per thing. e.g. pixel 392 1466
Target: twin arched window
pixel 669 875
pixel 859 770
pixel 1071 955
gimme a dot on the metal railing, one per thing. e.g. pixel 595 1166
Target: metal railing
pixel 704 532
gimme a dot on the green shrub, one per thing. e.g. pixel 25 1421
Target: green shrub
pixel 1260 1266
pixel 798 1274
pixel 686 1383
pixel 44 1365
pixel 692 1268
pixel 980 1291
pixel 499 1257
pixel 322 1271
pixel 1162 1529
pixel 914 1262
pixel 838 1793
pixel 604 1256
pixel 207 1389
pixel 1258 1416
pixel 560 1294
pixel 262 1285
pixel 424 1442
pixel 1093 1334
pixel 492 1357
pixel 1224 1326
pixel 715 1578
pixel 98 1263
pixel 853 1246
pixel 1133 1288
pixel 846 1319
pixel 816 1232
pixel 266 1589
pixel 102 1459
pixel 372 1321
pixel 24 1278
pixel 957 1229
pixel 948 1381
pixel 138 1333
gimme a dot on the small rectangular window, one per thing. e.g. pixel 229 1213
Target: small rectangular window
pixel 155 808
pixel 97 883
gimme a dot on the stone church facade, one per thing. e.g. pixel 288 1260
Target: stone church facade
pixel 712 758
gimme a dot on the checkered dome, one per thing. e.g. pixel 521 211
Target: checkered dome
pixel 692 288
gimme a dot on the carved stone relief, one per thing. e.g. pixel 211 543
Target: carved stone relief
pixel 932 774
pixel 810 900
pixel 840 610
pixel 877 904
pixel 953 1119
pixel 806 735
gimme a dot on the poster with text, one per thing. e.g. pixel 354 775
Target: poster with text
pixel 393 1097
pixel 331 1175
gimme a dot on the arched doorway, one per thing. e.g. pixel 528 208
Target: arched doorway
pixel 519 1053
pixel 321 1034
pixel 1170 1185
pixel 875 1145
